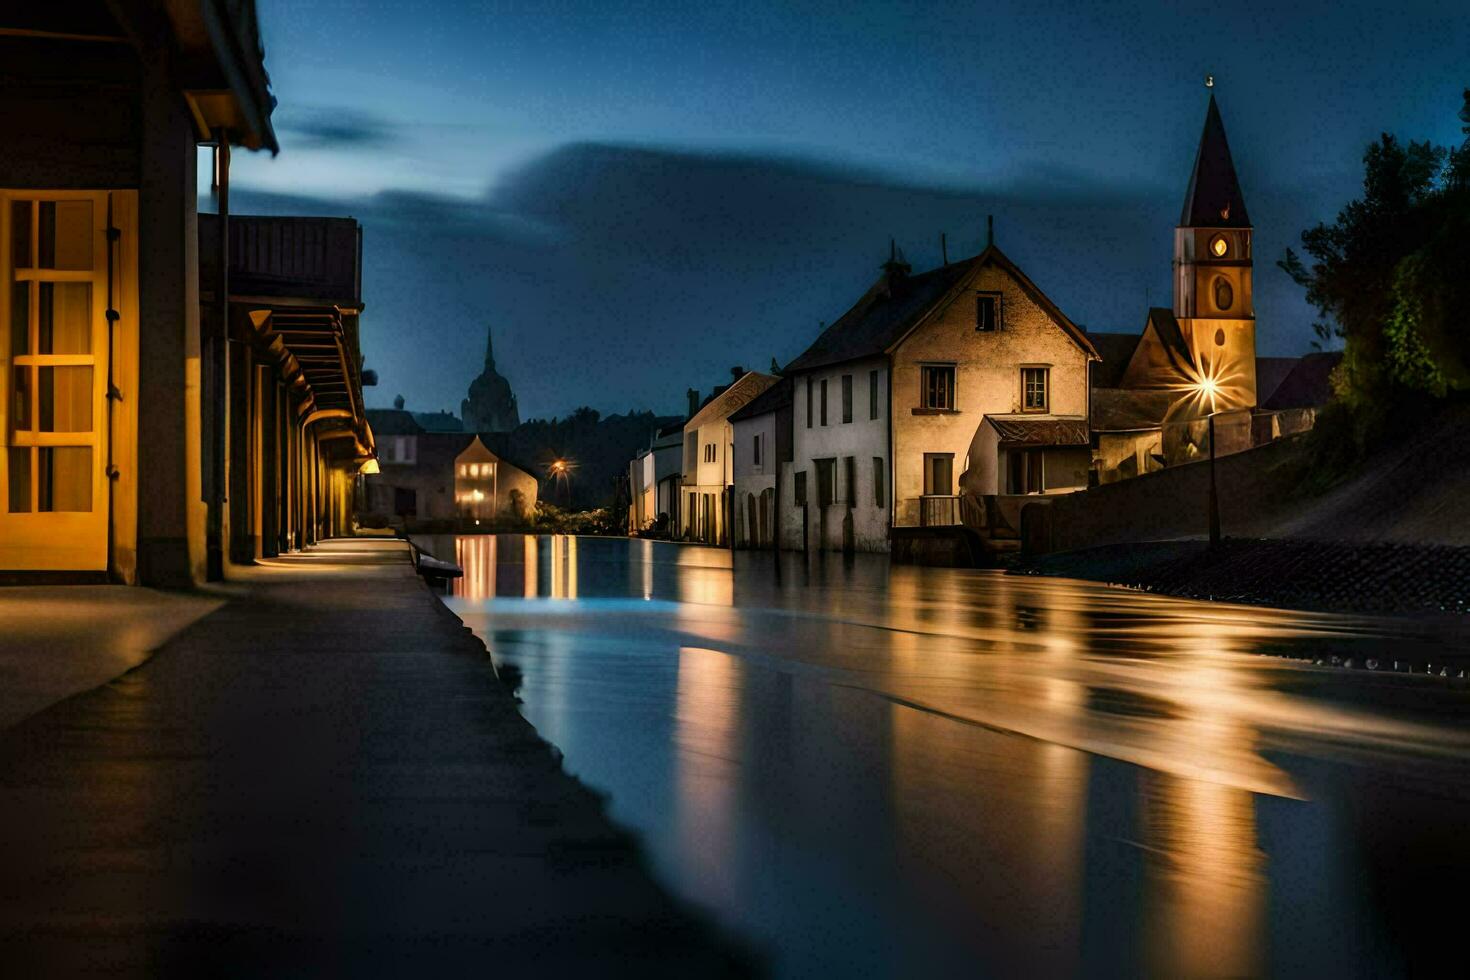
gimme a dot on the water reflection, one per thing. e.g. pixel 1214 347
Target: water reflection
pixel 902 771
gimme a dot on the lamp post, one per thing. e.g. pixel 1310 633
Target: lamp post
pixel 1214 493
pixel 1207 388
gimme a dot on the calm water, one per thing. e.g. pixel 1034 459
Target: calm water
pixel 875 771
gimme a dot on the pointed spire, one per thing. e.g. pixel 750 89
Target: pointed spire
pixel 1214 199
pixel 489 351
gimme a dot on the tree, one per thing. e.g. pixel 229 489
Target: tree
pixel 1388 278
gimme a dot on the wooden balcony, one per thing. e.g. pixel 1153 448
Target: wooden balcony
pixel 936 510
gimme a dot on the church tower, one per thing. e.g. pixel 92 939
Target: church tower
pixel 491 405
pixel 1212 270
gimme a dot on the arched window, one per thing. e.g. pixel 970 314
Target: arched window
pixel 1224 295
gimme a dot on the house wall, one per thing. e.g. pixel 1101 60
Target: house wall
pixel 987 378
pixel 709 480
pixel 431 480
pixel 864 438
pixel 1124 455
pixel 751 480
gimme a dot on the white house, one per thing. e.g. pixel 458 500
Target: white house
pixel 654 477
pixel 966 376
pixel 708 472
pixel 762 443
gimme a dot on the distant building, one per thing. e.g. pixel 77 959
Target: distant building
pixel 762 452
pixel 708 473
pixel 966 377
pixel 438 421
pixel 654 478
pixel 445 478
pixel 491 405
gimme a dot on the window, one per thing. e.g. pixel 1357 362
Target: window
pixel 1224 295
pixel 937 387
pixel 938 474
pixel 849 480
pixel 1033 389
pixel 755 449
pixel 824 401
pixel 847 398
pixel 691 446
pixel 1025 471
pixel 808 403
pixel 880 485
pixel 987 311
pixel 873 394
pixel 826 478
pixel 800 489
pixel 709 452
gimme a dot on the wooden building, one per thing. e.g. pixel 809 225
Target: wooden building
pixel 125 452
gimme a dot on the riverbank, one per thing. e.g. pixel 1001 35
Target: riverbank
pixel 1330 576
pixel 322 776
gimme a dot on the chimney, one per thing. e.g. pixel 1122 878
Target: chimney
pixel 693 394
pixel 736 373
pixel 895 268
pixel 989 230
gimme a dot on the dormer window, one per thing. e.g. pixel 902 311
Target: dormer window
pixel 987 311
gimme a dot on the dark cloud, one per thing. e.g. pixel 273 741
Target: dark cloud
pixel 618 276
pixel 331 128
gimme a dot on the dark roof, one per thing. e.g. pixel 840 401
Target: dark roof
pixel 1270 372
pixel 1129 409
pixel 881 317
pixel 896 303
pixel 1309 385
pixel 393 422
pixel 1116 350
pixel 1213 199
pixel 1021 431
pixel 777 396
pixel 1167 328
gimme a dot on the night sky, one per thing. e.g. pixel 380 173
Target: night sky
pixel 638 197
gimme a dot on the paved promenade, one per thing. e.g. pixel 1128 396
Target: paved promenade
pixel 321 777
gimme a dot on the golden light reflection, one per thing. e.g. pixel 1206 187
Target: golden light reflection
pixel 529 556
pixel 475 555
pixel 707 721
pixel 1204 912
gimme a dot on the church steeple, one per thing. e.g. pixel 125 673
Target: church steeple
pixel 1213 199
pixel 490 351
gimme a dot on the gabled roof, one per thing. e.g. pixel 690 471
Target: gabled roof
pixel 881 317
pixel 777 396
pixel 1116 350
pixel 736 396
pixel 1213 199
pixel 1309 385
pixel 896 304
pixel 1166 328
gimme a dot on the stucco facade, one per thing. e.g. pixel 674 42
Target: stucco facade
pixel 988 379
pixel 860 509
pixel 708 469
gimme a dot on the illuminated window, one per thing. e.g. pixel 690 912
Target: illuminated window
pixel 936 387
pixel 1219 245
pixel 1033 389
pixel 987 311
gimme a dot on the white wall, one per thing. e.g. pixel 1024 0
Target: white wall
pixel 863 439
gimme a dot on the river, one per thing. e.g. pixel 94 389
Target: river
pixel 874 770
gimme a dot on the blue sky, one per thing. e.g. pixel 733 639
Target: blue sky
pixel 510 163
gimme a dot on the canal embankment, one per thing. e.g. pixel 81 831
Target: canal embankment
pixel 322 776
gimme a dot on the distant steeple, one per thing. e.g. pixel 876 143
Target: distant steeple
pixel 489 350
pixel 1214 199
pixel 491 405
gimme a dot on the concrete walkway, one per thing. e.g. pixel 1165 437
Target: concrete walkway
pixel 321 777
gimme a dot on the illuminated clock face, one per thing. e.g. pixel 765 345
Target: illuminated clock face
pixel 1219 246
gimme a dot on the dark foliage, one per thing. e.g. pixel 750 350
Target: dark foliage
pixel 1389 278
pixel 595 450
